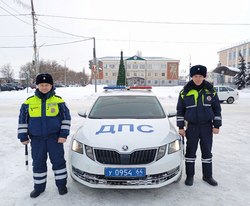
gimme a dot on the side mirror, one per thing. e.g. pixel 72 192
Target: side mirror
pixel 171 114
pixel 82 114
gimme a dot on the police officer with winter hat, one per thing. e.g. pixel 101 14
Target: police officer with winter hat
pixel 44 121
pixel 198 118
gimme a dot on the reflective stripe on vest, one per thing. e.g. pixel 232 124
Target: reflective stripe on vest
pixel 195 93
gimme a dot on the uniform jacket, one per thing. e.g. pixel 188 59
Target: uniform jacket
pixel 198 106
pixel 43 116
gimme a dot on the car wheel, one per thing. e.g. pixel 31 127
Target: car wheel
pixel 230 100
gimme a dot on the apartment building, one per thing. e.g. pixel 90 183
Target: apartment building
pixel 152 71
pixel 230 56
pixel 229 62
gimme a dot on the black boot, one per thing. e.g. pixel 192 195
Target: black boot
pixel 35 193
pixel 210 180
pixel 189 181
pixel 63 191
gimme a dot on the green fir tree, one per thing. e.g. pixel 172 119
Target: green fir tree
pixel 240 78
pixel 121 78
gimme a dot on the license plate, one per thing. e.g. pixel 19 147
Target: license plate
pixel 125 172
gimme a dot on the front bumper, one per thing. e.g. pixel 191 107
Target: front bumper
pixel 159 173
pixel 149 181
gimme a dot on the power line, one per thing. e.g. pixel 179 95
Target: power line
pixel 47 45
pixel 38 24
pixel 14 16
pixel 3 15
pixel 147 22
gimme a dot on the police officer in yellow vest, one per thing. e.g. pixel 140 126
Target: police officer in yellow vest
pixel 44 121
pixel 199 106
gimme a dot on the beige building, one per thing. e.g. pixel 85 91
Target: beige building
pixel 230 56
pixel 152 71
pixel 229 62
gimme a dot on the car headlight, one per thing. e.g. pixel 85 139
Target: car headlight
pixel 174 146
pixel 161 152
pixel 89 152
pixel 77 146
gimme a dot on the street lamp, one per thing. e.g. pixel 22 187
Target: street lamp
pixel 65 71
pixel 38 57
pixel 222 77
pixel 94 64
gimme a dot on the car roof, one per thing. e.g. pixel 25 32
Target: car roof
pixel 127 91
pixel 223 86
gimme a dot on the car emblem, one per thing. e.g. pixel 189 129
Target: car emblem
pixel 125 147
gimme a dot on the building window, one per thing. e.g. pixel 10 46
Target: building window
pixel 244 52
pixel 129 66
pixel 156 74
pixel 156 82
pixel 163 66
pixel 135 74
pixel 149 74
pixel 234 55
pixel 135 66
pixel 149 66
pixel 142 66
pixel 128 74
pixel 114 74
pixel 156 66
pixel 163 74
pixel 107 81
pixel 149 81
pixel 106 74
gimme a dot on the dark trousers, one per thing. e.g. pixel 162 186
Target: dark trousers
pixel 40 148
pixel 194 135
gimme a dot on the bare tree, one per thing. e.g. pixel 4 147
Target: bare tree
pixel 7 72
pixel 56 70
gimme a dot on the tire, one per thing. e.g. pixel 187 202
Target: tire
pixel 230 100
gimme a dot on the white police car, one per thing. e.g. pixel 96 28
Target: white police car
pixel 126 142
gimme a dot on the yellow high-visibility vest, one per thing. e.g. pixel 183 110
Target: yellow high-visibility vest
pixel 35 106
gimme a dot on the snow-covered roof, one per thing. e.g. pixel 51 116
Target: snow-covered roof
pixel 233 69
pixel 230 71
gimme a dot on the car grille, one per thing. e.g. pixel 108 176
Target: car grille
pixel 115 158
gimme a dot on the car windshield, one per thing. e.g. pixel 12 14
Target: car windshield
pixel 127 107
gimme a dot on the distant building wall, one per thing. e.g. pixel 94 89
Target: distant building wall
pixel 154 71
pixel 230 56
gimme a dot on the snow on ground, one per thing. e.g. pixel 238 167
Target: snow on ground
pixel 231 160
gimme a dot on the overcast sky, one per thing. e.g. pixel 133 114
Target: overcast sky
pixel 186 30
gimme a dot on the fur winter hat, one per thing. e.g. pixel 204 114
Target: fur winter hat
pixel 198 69
pixel 44 78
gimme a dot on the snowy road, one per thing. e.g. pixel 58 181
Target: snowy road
pixel 231 162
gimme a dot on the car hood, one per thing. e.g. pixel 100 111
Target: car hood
pixel 134 133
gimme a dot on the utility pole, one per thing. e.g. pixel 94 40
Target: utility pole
pixel 94 64
pixel 65 71
pixel 34 62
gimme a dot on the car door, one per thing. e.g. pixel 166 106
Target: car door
pixel 223 93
